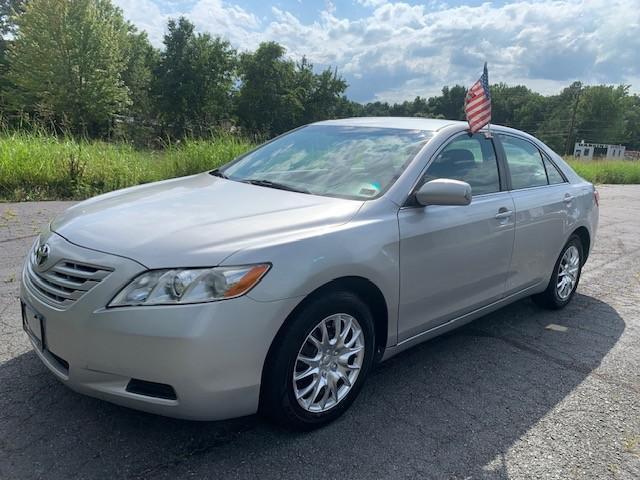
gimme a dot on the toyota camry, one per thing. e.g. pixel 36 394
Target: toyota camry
pixel 276 282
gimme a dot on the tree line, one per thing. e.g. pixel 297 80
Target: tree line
pixel 78 67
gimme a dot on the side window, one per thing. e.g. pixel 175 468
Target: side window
pixel 553 174
pixel 525 163
pixel 470 159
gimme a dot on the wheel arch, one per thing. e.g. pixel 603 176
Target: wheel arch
pixel 365 289
pixel 585 238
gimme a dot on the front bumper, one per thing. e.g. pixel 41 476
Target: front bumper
pixel 211 354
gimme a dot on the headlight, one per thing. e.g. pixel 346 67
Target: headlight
pixel 189 285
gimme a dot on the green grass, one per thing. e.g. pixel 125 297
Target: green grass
pixel 41 167
pixel 37 166
pixel 607 171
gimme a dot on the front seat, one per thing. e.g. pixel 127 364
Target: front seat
pixel 455 164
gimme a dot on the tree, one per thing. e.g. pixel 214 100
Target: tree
pixel 348 108
pixel 450 104
pixel 557 128
pixel 142 60
pixel 517 107
pixel 319 94
pixel 600 115
pixel 9 10
pixel 631 132
pixel 268 101
pixel 376 109
pixel 195 79
pixel 66 63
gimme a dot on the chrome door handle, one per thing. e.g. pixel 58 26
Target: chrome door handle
pixel 568 198
pixel 504 214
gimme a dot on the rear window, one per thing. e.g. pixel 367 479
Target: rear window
pixel 525 163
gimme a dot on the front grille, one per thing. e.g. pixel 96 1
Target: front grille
pixel 65 282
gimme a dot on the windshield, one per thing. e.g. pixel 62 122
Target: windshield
pixel 339 161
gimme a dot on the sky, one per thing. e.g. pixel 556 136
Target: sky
pixel 396 50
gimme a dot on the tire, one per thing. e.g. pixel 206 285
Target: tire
pixel 554 297
pixel 280 392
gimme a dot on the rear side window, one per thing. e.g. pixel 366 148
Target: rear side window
pixel 553 174
pixel 525 163
pixel 470 159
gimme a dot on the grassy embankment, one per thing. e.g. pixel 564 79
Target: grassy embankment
pixel 41 167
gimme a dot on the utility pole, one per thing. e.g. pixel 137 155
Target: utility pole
pixel 567 145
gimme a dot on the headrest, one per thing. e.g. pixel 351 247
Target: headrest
pixel 459 156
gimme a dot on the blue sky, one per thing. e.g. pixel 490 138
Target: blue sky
pixel 396 50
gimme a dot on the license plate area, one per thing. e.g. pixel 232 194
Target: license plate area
pixel 33 324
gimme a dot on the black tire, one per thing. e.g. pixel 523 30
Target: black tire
pixel 278 400
pixel 550 298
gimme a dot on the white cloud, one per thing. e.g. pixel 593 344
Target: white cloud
pixel 396 51
pixel 226 20
pixel 214 16
pixel 371 3
pixel 146 15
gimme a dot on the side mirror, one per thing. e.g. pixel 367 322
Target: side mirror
pixel 444 191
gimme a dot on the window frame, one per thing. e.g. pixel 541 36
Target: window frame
pixel 558 169
pixel 502 173
pixel 543 156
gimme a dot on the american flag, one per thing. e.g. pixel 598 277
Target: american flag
pixel 477 104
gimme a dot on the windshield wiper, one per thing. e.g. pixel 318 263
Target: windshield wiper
pixel 218 173
pixel 279 186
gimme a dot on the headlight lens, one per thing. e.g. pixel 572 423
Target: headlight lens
pixel 189 285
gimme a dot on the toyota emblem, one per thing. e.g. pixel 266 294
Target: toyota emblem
pixel 42 253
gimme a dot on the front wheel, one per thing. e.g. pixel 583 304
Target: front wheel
pixel 320 363
pixel 565 278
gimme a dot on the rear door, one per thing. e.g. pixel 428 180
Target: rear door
pixel 543 204
pixel 454 259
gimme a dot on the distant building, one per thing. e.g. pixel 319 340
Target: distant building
pixel 599 150
pixel 632 154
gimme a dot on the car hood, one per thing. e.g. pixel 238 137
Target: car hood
pixel 196 221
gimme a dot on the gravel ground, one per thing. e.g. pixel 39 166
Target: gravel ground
pixel 504 397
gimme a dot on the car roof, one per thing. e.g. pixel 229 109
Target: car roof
pixel 411 123
pixel 406 123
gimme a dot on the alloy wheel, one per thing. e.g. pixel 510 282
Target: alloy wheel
pixel 568 272
pixel 328 363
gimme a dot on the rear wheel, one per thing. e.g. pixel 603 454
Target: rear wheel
pixel 565 277
pixel 320 363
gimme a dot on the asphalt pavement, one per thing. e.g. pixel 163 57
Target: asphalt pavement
pixel 520 393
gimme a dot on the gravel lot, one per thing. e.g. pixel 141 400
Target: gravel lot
pixel 503 397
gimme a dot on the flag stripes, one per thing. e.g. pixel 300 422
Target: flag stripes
pixel 477 103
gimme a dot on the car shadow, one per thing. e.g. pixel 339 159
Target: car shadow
pixel 449 408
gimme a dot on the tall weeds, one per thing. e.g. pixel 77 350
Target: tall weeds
pixel 37 166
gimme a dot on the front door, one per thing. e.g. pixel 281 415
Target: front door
pixel 455 259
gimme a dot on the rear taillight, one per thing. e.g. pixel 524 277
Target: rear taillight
pixel 596 196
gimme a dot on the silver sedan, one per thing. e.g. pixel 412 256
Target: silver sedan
pixel 276 282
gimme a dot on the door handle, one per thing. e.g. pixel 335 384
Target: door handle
pixel 568 198
pixel 503 213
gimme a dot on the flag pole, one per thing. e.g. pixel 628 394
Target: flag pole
pixel 486 72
